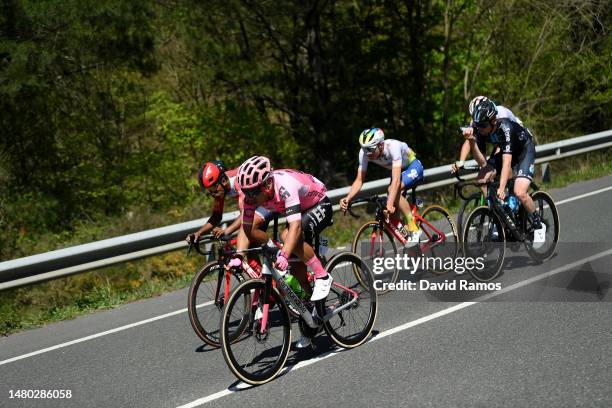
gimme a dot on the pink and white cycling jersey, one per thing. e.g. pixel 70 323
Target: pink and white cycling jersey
pixel 294 193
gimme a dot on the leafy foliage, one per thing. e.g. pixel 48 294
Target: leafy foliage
pixel 108 107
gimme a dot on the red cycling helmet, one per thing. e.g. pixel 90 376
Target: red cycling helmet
pixel 254 172
pixel 211 173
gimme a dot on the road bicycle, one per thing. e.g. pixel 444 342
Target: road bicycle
pixel 489 227
pixel 260 352
pixel 211 286
pixel 378 238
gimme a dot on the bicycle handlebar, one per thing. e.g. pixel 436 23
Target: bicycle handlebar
pixel 209 237
pixel 380 201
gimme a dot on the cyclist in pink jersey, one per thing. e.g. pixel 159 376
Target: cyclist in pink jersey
pixel 299 196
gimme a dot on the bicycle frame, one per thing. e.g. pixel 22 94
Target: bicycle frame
pixel 383 222
pixel 271 276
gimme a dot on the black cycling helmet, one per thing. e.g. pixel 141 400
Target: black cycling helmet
pixel 484 111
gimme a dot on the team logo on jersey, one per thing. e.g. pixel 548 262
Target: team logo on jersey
pixel 532 169
pixel 413 174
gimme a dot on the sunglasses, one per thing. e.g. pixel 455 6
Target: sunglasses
pixel 214 189
pixel 482 125
pixel 252 192
pixel 370 150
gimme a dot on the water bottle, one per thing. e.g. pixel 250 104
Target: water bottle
pixel 513 203
pixel 295 286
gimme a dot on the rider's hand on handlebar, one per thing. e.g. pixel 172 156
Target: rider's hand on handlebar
pixel 191 238
pixel 501 194
pixel 489 174
pixel 468 132
pixel 390 208
pixel 281 261
pixel 218 232
pixel 235 262
pixel 456 166
pixel 344 202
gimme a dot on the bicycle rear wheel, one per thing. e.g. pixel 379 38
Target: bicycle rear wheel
pixel 257 356
pixel 207 294
pixel 484 238
pixel 372 244
pixel 353 324
pixel 546 208
pixel 439 237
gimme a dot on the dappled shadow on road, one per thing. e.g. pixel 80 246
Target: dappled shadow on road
pixel 205 348
pixel 323 347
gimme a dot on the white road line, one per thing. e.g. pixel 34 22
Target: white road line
pixel 567 200
pixel 413 323
pixel 104 333
pixel 129 326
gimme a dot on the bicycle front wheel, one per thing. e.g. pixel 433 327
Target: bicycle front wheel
pixel 484 240
pixel 373 244
pixel 355 301
pixel 261 352
pixel 473 201
pixel 439 237
pixel 209 290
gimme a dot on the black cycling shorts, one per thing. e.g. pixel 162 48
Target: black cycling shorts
pixel 525 164
pixel 316 219
pixel 522 166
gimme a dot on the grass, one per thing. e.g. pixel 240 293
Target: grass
pixel 33 306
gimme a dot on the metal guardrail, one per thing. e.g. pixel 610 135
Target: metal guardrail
pixel 68 261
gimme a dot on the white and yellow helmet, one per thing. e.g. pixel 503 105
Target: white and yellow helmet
pixel 371 137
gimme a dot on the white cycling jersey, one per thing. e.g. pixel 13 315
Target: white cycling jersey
pixel 395 154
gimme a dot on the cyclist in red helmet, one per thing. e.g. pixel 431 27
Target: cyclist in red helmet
pixel 219 182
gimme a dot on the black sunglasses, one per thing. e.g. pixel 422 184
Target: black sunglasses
pixel 252 192
pixel 482 125
pixel 370 149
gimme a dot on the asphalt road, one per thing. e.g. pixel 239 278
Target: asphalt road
pixel 516 348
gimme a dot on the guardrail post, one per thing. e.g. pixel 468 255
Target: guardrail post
pixel 212 256
pixel 545 173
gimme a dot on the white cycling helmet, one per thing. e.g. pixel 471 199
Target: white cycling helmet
pixel 475 102
pixel 371 137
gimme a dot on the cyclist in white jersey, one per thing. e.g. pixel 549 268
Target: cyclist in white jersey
pixel 406 171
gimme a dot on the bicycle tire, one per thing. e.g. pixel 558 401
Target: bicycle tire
pixel 450 248
pixel 356 248
pixel 468 205
pixel 278 315
pixel 473 247
pixel 365 309
pixel 207 328
pixel 540 197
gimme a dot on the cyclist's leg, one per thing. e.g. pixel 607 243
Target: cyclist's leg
pixel 410 177
pixel 525 173
pixel 491 170
pixel 315 220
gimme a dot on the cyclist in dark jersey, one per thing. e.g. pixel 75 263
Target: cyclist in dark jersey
pixel 516 151
pixel 214 178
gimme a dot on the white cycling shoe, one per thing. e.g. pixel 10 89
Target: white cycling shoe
pixel 413 238
pixel 539 236
pixel 303 342
pixel 321 288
